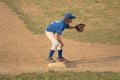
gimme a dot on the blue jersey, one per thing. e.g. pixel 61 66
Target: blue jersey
pixel 57 27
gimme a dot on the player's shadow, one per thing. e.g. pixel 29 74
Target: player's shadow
pixel 73 64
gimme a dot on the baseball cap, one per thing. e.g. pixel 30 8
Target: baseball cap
pixel 69 16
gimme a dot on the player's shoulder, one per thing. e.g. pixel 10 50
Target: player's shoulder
pixel 59 21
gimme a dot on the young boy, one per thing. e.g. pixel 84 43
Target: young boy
pixel 54 32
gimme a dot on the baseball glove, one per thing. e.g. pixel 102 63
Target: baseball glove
pixel 80 27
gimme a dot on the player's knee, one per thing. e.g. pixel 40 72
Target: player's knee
pixel 59 48
pixel 56 44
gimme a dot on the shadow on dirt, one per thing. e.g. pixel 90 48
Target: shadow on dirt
pixel 73 64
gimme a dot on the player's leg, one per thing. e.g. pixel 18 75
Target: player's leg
pixel 60 56
pixel 55 44
pixel 60 50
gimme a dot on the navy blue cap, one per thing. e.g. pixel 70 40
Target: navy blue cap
pixel 69 16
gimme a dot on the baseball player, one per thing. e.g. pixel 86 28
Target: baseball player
pixel 54 32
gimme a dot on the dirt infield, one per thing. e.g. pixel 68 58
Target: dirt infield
pixel 21 51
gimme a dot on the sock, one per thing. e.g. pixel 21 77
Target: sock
pixel 59 53
pixel 51 53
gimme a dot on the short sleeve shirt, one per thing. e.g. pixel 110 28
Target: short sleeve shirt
pixel 57 27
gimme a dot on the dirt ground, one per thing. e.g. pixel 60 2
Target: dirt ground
pixel 23 52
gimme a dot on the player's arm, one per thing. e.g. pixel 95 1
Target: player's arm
pixel 71 27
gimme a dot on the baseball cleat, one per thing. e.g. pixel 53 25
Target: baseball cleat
pixel 62 59
pixel 50 60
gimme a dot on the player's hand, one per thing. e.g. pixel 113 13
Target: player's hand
pixel 62 44
pixel 80 27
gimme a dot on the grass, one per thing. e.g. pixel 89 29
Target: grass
pixel 64 76
pixel 101 17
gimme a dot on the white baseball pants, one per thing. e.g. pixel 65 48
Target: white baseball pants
pixel 55 43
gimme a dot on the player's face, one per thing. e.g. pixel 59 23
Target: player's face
pixel 69 21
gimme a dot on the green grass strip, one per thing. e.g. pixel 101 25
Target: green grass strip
pixel 64 76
